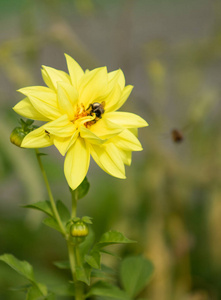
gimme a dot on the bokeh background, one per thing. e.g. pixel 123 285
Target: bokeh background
pixel 170 50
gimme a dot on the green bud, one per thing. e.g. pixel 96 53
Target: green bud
pixel 79 229
pixel 19 133
pixel 17 136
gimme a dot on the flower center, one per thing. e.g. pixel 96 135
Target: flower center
pixel 88 116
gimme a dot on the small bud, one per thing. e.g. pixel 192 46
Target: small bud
pixel 19 133
pixel 79 229
pixel 17 136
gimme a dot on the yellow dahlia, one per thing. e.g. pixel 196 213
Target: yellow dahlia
pixel 80 111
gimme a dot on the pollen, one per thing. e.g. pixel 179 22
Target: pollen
pixel 83 116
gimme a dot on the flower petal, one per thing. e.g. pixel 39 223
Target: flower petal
pixel 124 95
pixel 61 127
pixel 112 98
pixel 90 136
pixel 44 108
pixel 71 92
pixel 116 77
pixel 64 103
pixel 109 159
pixel 105 129
pixel 126 156
pixel 37 138
pixel 27 110
pixel 126 140
pixel 53 76
pixel 74 69
pixel 42 93
pixel 127 120
pixel 77 163
pixel 61 144
pixel 92 86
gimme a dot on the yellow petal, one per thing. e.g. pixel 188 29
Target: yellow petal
pixel 105 129
pixel 90 136
pixel 112 98
pixel 37 138
pixel 27 110
pixel 47 79
pixel 92 86
pixel 109 159
pixel 126 156
pixel 53 76
pixel 125 94
pixel 127 120
pixel 44 108
pixel 61 127
pixel 64 103
pixel 42 93
pixel 77 163
pixel 126 140
pixel 116 77
pixel 75 70
pixel 61 144
pixel 71 92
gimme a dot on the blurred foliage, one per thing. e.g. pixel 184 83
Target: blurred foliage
pixel 171 200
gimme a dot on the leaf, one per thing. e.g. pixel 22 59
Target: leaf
pixel 93 259
pixel 105 289
pixel 21 267
pixel 135 273
pixel 87 220
pixel 113 237
pixel 105 272
pixel 63 211
pixel 65 289
pixel 86 245
pixel 82 189
pixel 110 253
pixel 44 206
pixel 51 222
pixel 83 273
pixel 24 269
pixel 62 264
pixel 33 293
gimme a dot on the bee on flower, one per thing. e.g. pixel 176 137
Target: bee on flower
pixel 80 111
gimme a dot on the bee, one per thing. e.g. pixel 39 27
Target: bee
pixel 177 136
pixel 97 109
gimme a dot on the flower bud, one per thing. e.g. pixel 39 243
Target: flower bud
pixel 79 229
pixel 17 136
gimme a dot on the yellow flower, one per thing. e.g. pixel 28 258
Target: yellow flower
pixel 80 111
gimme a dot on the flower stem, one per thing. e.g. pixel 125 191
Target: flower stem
pixel 51 198
pixel 74 198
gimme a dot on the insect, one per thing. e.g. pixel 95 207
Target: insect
pixel 47 132
pixel 97 109
pixel 177 136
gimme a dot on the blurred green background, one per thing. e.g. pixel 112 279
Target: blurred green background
pixel 170 50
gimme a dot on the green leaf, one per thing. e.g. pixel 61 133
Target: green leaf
pixel 113 237
pixel 83 273
pixel 44 206
pixel 21 267
pixel 82 189
pixel 105 272
pixel 33 294
pixel 93 259
pixel 65 289
pixel 105 289
pixel 51 222
pixel 110 253
pixel 86 245
pixel 62 264
pixel 24 269
pixel 135 273
pixel 87 220
pixel 63 211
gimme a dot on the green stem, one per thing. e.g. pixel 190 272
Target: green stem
pixel 51 198
pixel 74 198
